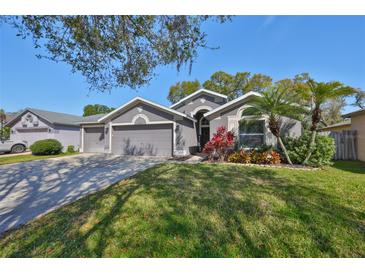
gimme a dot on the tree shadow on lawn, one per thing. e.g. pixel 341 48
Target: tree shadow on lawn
pixel 201 210
pixel 350 166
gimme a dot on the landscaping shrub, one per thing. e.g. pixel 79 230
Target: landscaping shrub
pixel 275 158
pixel 322 154
pixel 269 157
pixel 220 145
pixel 242 157
pixel 46 147
pixel 70 149
pixel 264 148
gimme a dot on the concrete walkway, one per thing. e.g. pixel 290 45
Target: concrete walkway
pixel 31 189
pixel 5 155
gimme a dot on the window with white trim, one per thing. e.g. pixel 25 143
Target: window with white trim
pixel 252 133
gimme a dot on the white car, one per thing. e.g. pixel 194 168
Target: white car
pixel 11 146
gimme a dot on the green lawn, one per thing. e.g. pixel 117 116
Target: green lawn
pixel 208 210
pixel 30 157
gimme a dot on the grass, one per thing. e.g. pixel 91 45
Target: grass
pixel 30 157
pixel 208 210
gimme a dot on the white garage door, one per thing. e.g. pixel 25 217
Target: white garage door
pixel 143 140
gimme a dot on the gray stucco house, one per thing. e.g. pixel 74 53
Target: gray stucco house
pixel 142 127
pixel 32 125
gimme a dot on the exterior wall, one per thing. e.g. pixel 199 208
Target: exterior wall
pixel 185 137
pixel 30 137
pixel 108 134
pixel 141 109
pixel 358 124
pixel 230 119
pixel 191 106
pixel 67 135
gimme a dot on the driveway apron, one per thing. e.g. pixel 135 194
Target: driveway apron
pixel 29 190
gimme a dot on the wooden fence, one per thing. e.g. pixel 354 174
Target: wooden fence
pixel 346 145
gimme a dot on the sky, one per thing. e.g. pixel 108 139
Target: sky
pixel 327 47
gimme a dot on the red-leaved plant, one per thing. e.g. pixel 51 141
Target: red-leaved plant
pixel 218 147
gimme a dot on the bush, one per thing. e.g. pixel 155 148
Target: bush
pixel 220 145
pixel 322 154
pixel 242 157
pixel 270 157
pixel 70 149
pixel 46 147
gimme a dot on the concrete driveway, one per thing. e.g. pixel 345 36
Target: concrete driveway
pixel 29 190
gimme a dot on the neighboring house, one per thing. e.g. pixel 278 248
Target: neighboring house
pixel 31 125
pixel 338 127
pixel 142 127
pixel 358 124
pixel 9 116
pixel 353 121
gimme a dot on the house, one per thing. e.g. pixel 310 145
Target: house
pixel 338 127
pixel 354 121
pixel 32 124
pixel 9 116
pixel 142 127
pixel 358 124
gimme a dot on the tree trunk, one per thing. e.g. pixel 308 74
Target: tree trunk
pixel 311 145
pixel 316 118
pixel 274 126
pixel 284 150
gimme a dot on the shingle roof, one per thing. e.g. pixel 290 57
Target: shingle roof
pixel 233 102
pixel 10 116
pixel 348 115
pixel 198 92
pixel 347 122
pixel 148 102
pixel 51 116
pixel 91 118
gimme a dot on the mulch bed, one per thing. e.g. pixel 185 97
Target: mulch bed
pixel 297 167
pixel 180 158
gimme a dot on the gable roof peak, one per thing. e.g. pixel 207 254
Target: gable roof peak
pixel 202 90
pixel 232 102
pixel 148 102
pixel 55 118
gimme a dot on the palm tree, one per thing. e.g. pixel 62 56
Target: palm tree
pixel 275 103
pixel 317 93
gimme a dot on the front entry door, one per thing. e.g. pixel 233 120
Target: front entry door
pixel 204 137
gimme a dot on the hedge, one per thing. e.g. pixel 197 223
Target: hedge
pixel 46 147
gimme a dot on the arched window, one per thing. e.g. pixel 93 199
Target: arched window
pixel 204 122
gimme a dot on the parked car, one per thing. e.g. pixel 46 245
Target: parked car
pixel 12 146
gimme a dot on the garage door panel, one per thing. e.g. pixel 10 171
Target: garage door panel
pixel 94 138
pixel 143 140
pixel 32 135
